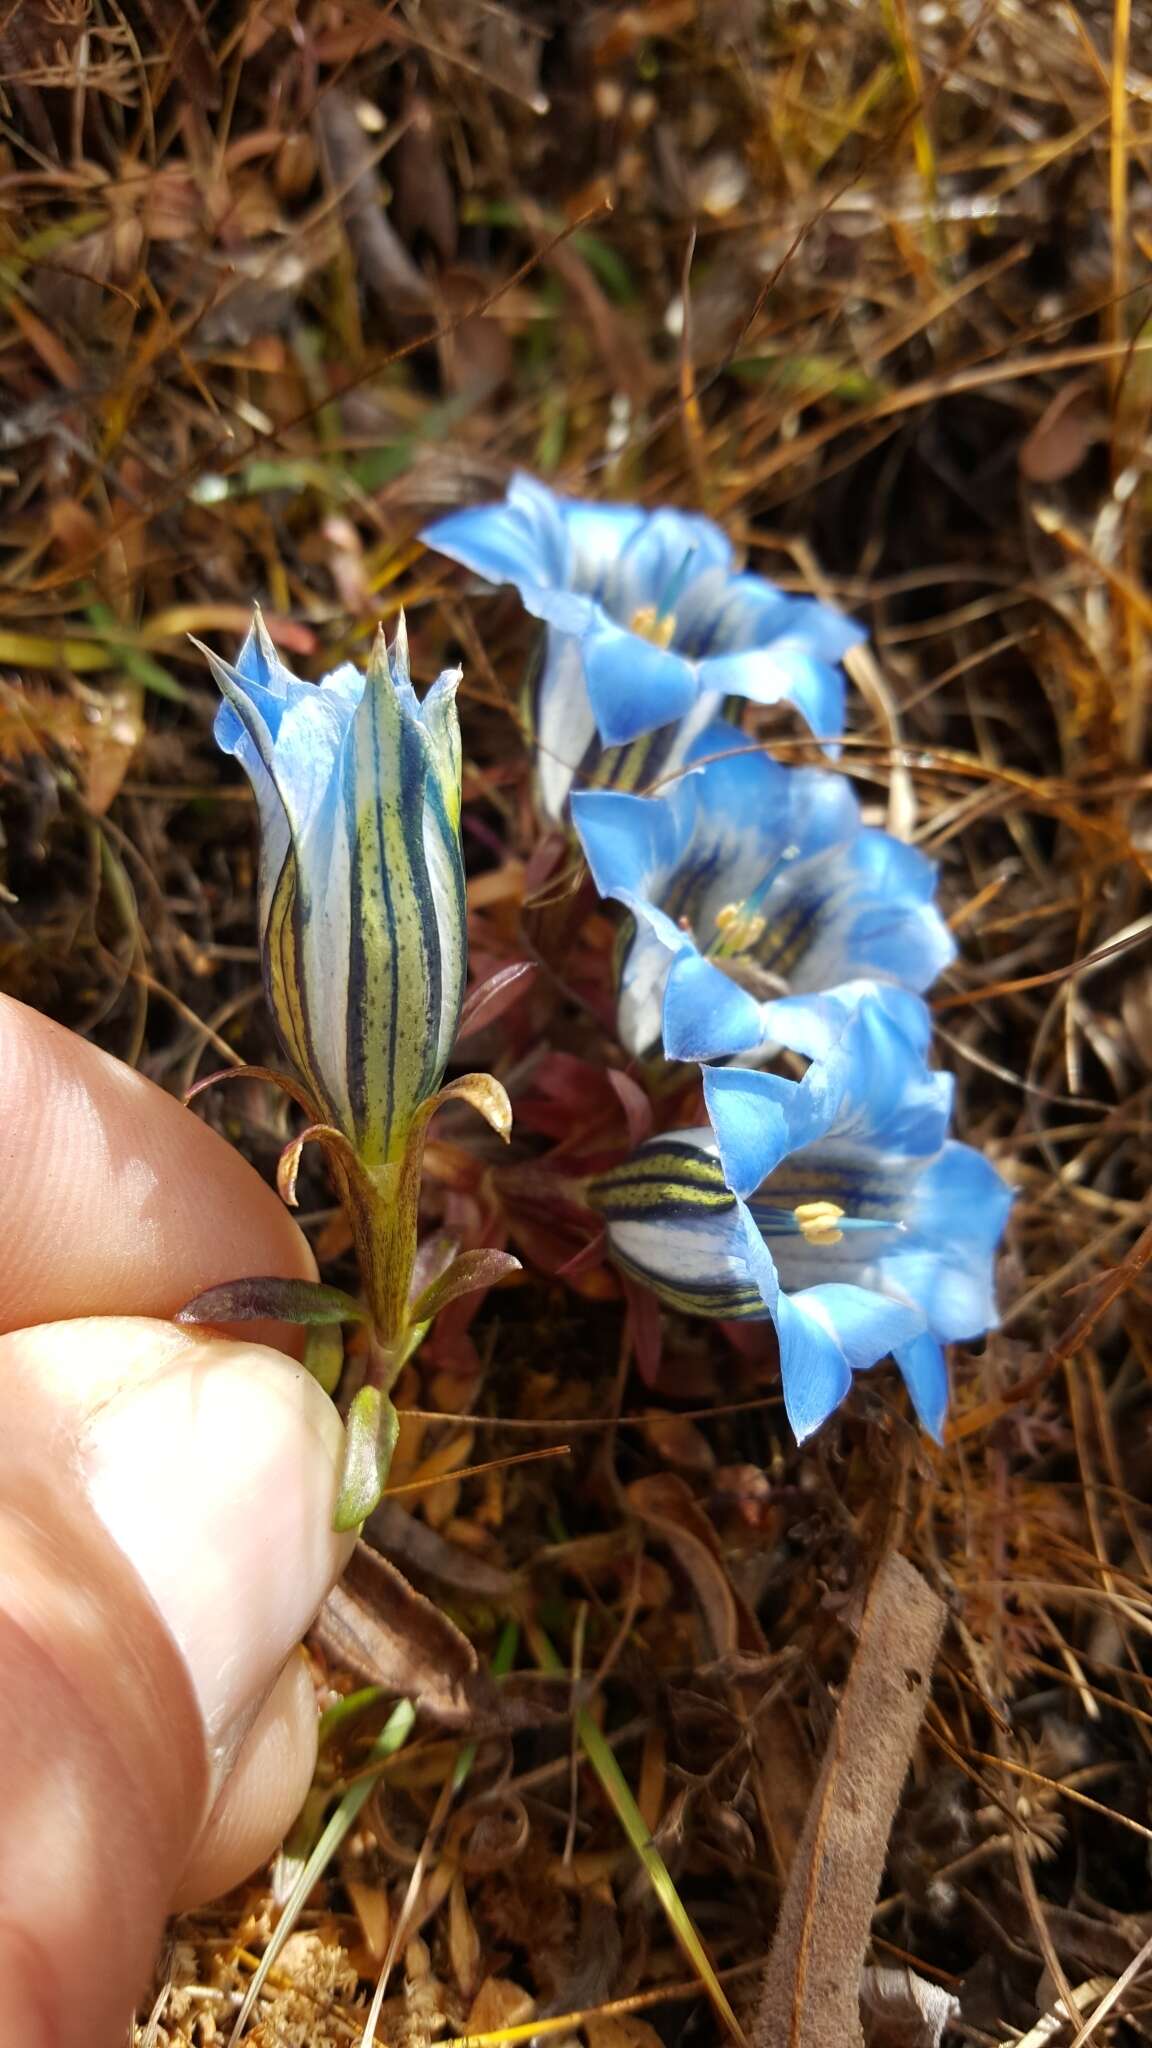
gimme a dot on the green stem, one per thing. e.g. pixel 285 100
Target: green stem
pixel 383 1206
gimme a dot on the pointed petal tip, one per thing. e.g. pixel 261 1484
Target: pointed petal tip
pixel 446 685
pixel 263 636
pixel 398 654
pixel 378 665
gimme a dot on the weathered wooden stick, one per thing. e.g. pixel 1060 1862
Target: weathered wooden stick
pixel 810 1997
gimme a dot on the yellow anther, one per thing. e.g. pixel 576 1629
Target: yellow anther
pixel 649 624
pixel 817 1222
pixel 739 929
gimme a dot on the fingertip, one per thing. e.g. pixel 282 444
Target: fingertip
pixel 214 1465
pixel 114 1198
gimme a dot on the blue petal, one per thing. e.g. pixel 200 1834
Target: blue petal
pixel 895 868
pixel 631 841
pixel 751 1114
pixel 821 630
pixel 747 797
pixel 259 665
pixel 956 1216
pixel 774 675
pixel 875 1089
pixel 522 539
pixel 871 1089
pixel 910 942
pixel 634 685
pixel 813 1370
pixel 828 1333
pixel 925 1371
pixel 757 612
pixel 741 789
pixel 598 535
pixel 718 742
pixel 706 1014
pixel 813 1024
pixel 961 1195
pixel 666 552
pixel 897 929
pixel 567 611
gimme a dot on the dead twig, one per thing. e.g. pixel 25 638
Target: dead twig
pixel 810 1996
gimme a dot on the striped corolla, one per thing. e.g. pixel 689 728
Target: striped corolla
pixel 836 1206
pixel 650 628
pixel 362 913
pixel 761 906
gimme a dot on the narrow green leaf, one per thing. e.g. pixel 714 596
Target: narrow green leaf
pixel 268 1298
pixel 346 1709
pixel 466 1275
pixel 134 660
pixel 392 1737
pixel 607 263
pixel 602 1757
pixel 371 1431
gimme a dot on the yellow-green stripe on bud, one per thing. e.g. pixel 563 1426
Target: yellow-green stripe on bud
pixel 672 1222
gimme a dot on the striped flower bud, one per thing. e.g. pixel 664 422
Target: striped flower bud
pixel 362 913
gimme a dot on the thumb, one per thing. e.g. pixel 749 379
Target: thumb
pixel 165 1510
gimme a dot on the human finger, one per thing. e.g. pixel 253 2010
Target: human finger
pixel 114 1199
pixel 165 1538
pixel 263 1794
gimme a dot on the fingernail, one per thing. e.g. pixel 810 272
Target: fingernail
pixel 217 1476
pixel 26 2015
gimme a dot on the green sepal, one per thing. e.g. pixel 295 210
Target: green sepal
pixel 370 1439
pixel 268 1298
pixel 324 1355
pixel 466 1275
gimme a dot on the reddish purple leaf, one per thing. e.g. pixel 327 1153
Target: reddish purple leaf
pixel 467 1275
pixel 635 1104
pixel 268 1298
pixel 494 996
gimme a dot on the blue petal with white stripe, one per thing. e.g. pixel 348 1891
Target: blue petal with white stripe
pixel 762 907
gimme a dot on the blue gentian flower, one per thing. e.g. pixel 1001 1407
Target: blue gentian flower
pixel 761 904
pixel 649 628
pixel 837 1206
pixel 362 913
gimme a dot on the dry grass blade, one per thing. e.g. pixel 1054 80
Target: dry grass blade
pixel 1113 1995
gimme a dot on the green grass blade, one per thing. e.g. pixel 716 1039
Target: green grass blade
pixel 603 1761
pixel 392 1737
